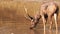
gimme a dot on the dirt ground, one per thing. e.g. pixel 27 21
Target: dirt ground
pixel 12 20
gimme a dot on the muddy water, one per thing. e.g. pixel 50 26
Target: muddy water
pixel 22 27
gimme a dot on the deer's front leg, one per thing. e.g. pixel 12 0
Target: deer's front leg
pixel 55 18
pixel 50 23
pixel 44 21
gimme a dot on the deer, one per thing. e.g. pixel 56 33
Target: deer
pixel 48 8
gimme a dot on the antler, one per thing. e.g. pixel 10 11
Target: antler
pixel 27 15
pixel 25 9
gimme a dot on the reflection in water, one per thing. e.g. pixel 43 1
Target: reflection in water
pixel 34 31
pixel 40 31
pixel 50 31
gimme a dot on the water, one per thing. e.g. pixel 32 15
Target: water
pixel 22 27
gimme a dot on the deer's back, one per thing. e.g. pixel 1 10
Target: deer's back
pixel 48 8
pixel 52 7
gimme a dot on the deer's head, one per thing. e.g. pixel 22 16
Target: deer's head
pixel 34 19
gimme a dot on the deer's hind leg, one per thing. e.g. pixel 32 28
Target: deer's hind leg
pixel 55 18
